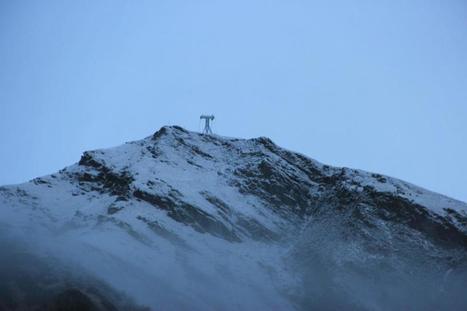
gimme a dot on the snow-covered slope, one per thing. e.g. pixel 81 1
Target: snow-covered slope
pixel 184 221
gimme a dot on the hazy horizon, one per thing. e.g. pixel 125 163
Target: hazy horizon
pixel 375 86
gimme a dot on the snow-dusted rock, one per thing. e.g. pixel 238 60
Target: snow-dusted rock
pixel 184 221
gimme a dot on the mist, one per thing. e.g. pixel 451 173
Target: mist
pixel 344 266
pixel 34 278
pixel 40 264
pixel 332 265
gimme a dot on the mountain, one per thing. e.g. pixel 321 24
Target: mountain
pixel 185 221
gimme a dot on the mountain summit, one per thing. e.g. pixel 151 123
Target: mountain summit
pixel 185 221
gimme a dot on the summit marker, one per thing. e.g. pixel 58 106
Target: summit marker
pixel 207 120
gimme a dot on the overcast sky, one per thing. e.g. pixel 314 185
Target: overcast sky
pixel 376 85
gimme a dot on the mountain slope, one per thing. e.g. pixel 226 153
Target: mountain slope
pixel 184 221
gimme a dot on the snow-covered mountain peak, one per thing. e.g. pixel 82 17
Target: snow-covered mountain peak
pixel 206 206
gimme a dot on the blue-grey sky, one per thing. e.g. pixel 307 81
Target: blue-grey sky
pixel 375 85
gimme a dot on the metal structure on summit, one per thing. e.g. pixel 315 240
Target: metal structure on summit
pixel 207 121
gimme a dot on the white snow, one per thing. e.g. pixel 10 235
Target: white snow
pixel 61 219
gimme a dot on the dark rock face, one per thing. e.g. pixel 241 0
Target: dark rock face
pixel 278 188
pixel 188 214
pixel 115 183
pixel 308 190
pixel 434 227
pixel 248 226
pixel 455 216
